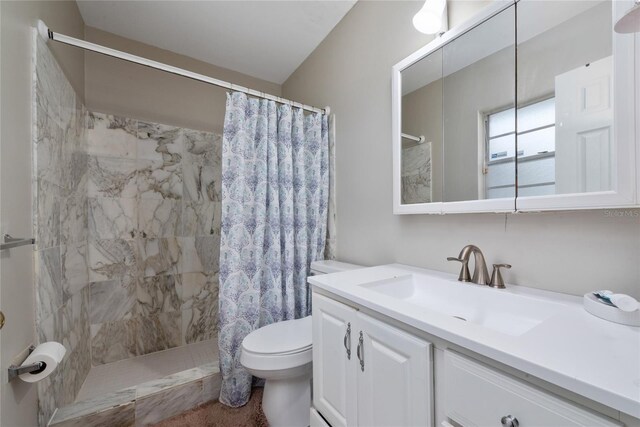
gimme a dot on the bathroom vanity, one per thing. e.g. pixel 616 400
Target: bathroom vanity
pixel 404 346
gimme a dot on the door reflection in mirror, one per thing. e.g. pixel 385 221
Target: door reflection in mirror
pixel 565 54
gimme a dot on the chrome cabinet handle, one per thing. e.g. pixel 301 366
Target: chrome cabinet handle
pixel 360 351
pixel 509 421
pixel 347 341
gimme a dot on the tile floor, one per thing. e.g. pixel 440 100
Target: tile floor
pixel 215 414
pixel 118 375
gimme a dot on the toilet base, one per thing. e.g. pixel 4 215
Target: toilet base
pixel 286 402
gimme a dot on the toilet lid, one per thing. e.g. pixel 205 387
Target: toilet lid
pixel 288 336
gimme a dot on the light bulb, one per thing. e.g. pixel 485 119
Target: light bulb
pixel 428 20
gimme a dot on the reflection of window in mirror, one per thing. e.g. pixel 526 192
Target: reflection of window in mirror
pixel 564 53
pixel 536 150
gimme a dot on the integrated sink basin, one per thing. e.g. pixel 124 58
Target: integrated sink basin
pixel 494 309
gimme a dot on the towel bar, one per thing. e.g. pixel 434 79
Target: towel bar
pixel 12 242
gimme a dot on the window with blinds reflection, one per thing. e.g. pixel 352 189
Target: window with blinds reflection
pixel 536 140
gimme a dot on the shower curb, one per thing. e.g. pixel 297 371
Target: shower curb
pixel 147 403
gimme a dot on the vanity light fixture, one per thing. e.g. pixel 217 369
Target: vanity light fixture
pixel 629 23
pixel 431 18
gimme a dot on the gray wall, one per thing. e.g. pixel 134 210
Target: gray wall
pixel 17 302
pixel 122 88
pixel 570 252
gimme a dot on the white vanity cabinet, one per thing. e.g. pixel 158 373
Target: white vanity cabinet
pixel 478 395
pixel 397 345
pixel 366 372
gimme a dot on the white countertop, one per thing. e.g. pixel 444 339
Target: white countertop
pixel 575 350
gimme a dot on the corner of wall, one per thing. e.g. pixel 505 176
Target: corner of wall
pixel 59 171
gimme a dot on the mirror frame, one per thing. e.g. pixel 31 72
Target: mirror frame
pixel 626 141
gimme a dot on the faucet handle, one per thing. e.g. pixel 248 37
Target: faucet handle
pixel 464 276
pixel 496 276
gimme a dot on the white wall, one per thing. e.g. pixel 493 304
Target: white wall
pixel 16 278
pixel 570 252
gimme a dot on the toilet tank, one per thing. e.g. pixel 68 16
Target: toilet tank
pixel 330 266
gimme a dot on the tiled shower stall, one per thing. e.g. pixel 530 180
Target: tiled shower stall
pixel 154 236
pixel 127 224
pixel 126 215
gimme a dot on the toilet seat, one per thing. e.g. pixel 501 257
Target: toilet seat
pixel 281 345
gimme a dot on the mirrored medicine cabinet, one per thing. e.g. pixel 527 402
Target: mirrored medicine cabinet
pixel 529 106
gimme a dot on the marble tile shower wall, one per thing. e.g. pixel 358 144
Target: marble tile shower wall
pixel 126 216
pixel 154 236
pixel 60 227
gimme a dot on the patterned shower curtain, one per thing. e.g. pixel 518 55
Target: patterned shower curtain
pixel 275 184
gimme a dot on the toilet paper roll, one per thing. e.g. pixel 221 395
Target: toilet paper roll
pixel 51 353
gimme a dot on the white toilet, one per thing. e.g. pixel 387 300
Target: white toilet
pixel 281 354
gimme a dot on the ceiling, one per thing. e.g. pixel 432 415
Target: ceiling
pixel 264 39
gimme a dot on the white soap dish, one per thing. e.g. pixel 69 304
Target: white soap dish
pixel 613 314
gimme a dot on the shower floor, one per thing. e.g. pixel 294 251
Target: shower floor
pixel 145 390
pixel 137 370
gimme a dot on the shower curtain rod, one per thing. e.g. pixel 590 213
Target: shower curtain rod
pixel 46 33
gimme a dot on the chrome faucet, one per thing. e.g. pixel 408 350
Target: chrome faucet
pixel 480 272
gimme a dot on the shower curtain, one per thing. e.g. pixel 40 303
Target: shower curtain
pixel 275 184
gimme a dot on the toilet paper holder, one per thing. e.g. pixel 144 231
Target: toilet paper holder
pixel 33 368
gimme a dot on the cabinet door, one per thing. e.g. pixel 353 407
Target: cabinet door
pixel 394 376
pixel 334 367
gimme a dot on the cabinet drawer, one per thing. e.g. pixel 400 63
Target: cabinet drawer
pixel 478 395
